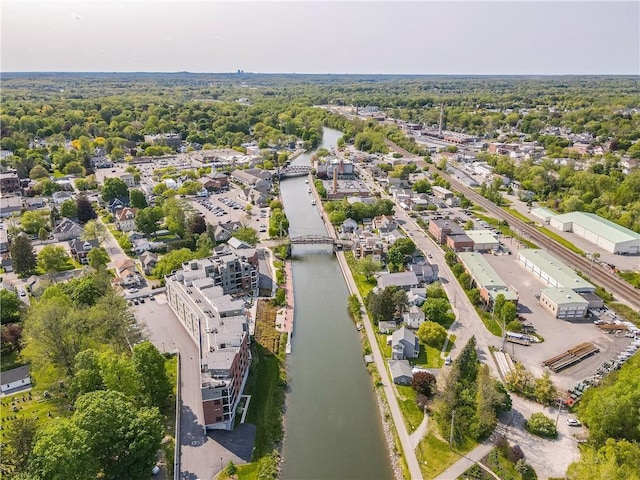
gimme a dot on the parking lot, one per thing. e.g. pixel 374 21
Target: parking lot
pixel 228 207
pixel 559 335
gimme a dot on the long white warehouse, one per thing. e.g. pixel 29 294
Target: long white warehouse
pixel 552 271
pixel 607 235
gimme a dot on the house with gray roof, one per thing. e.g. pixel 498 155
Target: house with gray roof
pixel 66 229
pixel 404 344
pixel 14 379
pixel 404 280
pixel 401 372
pixel 414 317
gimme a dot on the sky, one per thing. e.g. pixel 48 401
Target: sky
pixel 515 37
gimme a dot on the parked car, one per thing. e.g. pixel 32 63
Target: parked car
pixel 447 361
pixel 572 422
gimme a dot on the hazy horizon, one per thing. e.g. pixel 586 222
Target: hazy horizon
pixel 443 38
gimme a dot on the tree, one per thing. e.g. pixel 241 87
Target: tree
pixel 122 438
pixel 137 199
pixel 616 460
pixel 86 376
pixel 498 303
pixel 43 234
pixel 395 257
pixel 23 256
pixel 367 266
pixel 424 383
pixel 405 245
pixel 33 221
pixel 381 305
pixel 69 209
pixel 204 244
pixel 468 225
pixel 21 436
pixel 172 261
pixel 421 186
pixel 38 172
pixel 98 258
pixel 74 168
pixel 175 217
pixel 247 235
pixel 114 188
pixel 118 374
pixel 10 307
pixel 544 390
pixel 508 312
pixel 52 259
pixel 432 334
pixel 436 310
pixel 62 452
pixel 197 224
pixel 148 219
pixel 11 337
pixel 94 230
pixel 154 383
pixel 85 209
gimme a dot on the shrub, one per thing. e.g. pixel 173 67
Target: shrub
pixel 541 425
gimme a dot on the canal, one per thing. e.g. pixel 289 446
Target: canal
pixel 332 422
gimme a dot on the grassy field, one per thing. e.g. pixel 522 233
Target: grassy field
pixel 632 277
pixel 364 285
pixel 517 214
pixel 434 454
pixel 492 325
pixel 10 361
pixel 561 240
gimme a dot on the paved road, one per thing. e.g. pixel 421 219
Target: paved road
pixel 112 247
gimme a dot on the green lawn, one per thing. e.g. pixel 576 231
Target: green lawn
pixel 493 326
pixel 364 285
pixel 248 471
pixel 410 412
pixel 517 214
pixel 434 455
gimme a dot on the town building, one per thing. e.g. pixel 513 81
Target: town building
pixel 9 182
pixel 486 279
pixel 404 344
pixel 447 232
pixel 441 192
pixel 9 205
pixel 127 274
pixel 400 372
pixel 167 139
pixel 543 214
pixel 603 233
pixel 404 280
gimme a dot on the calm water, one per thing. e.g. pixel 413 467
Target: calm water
pixel 332 424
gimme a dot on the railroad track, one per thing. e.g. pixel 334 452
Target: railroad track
pixel 623 292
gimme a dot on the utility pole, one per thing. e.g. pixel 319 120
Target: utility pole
pixel 559 409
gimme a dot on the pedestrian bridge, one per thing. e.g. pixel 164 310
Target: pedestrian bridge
pixel 295 170
pixel 318 240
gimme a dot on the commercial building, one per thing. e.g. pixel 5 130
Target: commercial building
pixel 485 278
pixel 603 233
pixel 9 205
pixel 219 326
pixel 564 303
pixel 441 192
pixel 447 232
pixel 168 139
pixel 543 214
pixel 552 271
pixel 483 240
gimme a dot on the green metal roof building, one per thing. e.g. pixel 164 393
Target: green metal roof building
pixel 485 277
pixel 552 271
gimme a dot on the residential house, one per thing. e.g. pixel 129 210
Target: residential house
pixel 348 226
pixel 126 219
pixel 403 280
pixel 222 232
pixel 14 379
pixel 148 261
pixel 62 196
pixel 417 296
pixel 81 248
pixel 404 344
pixel 384 224
pixel 142 245
pixel 126 274
pixel 400 372
pixel 7 264
pixel 387 326
pixel 66 229
pixel 116 204
pixel 414 317
pixel 34 203
pixel 4 241
pixel 425 272
pixel 9 205
pixel 214 181
pixel 128 179
pixel 394 235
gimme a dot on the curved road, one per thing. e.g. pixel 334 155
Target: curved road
pixel 624 292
